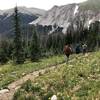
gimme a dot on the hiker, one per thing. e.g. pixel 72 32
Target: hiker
pixel 78 49
pixel 67 50
pixel 84 48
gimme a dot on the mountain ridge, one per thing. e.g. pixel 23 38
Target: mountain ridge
pixel 23 8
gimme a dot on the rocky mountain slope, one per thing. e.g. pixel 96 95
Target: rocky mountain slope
pixel 63 16
pixel 26 16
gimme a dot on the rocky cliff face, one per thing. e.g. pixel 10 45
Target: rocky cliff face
pixel 58 16
pixel 63 16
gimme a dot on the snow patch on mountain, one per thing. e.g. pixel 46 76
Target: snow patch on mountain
pixel 76 9
pixel 90 21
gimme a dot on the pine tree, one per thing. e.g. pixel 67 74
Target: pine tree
pixel 34 47
pixel 18 53
pixel 93 37
pixel 97 30
pixel 4 54
pixel 68 38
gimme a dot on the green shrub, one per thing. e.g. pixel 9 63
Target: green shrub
pixel 27 86
pixel 19 95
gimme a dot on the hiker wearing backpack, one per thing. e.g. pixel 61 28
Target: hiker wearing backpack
pixel 84 48
pixel 67 50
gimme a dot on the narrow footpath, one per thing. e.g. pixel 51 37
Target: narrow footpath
pixel 7 94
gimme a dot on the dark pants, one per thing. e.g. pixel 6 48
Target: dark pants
pixel 67 55
pixel 84 51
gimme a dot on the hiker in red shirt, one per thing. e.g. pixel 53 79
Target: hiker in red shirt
pixel 67 50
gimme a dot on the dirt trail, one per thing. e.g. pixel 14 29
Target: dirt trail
pixel 7 94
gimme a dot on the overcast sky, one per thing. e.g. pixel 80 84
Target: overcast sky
pixel 43 4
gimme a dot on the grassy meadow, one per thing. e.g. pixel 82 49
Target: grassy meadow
pixel 79 79
pixel 11 72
